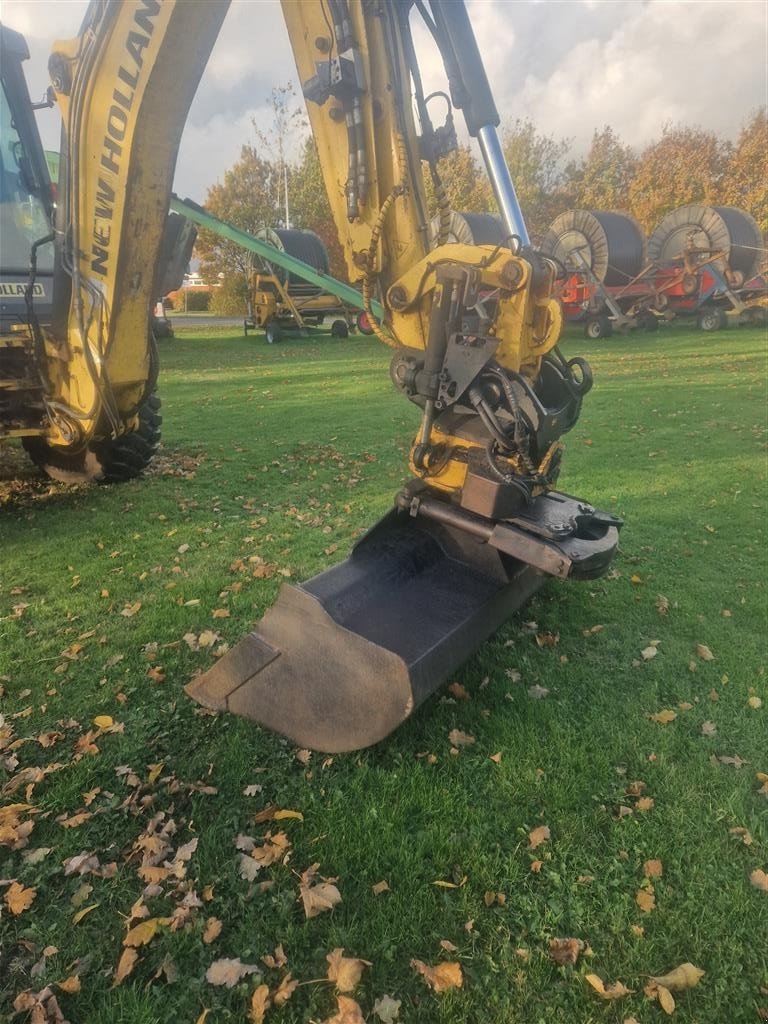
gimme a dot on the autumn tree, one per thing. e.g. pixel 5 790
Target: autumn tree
pixel 536 165
pixel 601 180
pixel 465 182
pixel 310 209
pixel 686 165
pixel 746 174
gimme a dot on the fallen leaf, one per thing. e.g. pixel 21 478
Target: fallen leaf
pixel 565 951
pixel 496 758
pixel 645 803
pixel 442 976
pixel 212 930
pixel 645 899
pixel 278 960
pixel 649 652
pixel 683 977
pixel 285 990
pixel 666 999
pixel 78 917
pixel 538 836
pixel 663 717
pixel 130 609
pixel 460 739
pixel 18 898
pixel 615 991
pixel 142 934
pixel 317 897
pixel 743 833
pixel 103 721
pixel 653 869
pixel 380 887
pixel 303 756
pixel 260 1003
pixel 387 1009
pixel 537 692
pixel 203 1017
pixel 228 972
pixel 345 971
pixel 220 613
pixel 704 652
pixel 457 690
pixel 708 728
pixel 125 965
pixel 759 879
pixel 349 1012
pixel 70 985
pixel 662 604
pixel 754 703
pixel 281 815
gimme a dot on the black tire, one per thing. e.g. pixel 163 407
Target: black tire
pixel 104 462
pixel 339 329
pixel 712 319
pixel 648 322
pixel 598 327
pixel 272 332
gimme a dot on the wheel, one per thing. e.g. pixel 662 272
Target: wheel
pixel 105 462
pixel 272 332
pixel 598 327
pixel 648 322
pixel 363 323
pixel 712 319
pixel 339 329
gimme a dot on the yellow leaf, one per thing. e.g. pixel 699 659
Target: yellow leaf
pixel 380 887
pixel 645 899
pixel 212 930
pixel 759 879
pixel 682 977
pixel 18 898
pixel 125 965
pixel 203 1016
pixel 754 703
pixel 496 758
pixel 615 991
pixel 635 579
pixel 666 999
pixel 645 803
pixel 663 717
pixel 280 815
pixel 349 1012
pixel 259 1005
pixel 442 976
pixel 143 933
pixel 445 885
pixel 538 836
pixel 460 739
pixel 345 971
pixel 103 721
pixel 285 990
pixel 70 985
pixel 78 917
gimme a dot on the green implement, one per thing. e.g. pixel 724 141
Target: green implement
pixel 345 292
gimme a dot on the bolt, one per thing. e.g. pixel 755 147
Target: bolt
pixel 323 44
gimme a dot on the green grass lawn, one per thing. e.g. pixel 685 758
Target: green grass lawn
pixel 274 460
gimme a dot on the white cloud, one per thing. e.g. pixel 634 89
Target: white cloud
pixel 570 66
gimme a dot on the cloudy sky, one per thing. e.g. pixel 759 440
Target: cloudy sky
pixel 570 66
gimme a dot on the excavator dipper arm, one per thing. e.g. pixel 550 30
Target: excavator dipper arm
pixel 341 660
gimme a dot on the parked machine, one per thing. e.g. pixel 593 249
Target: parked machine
pixel 706 262
pixel 280 300
pixel 602 257
pixel 700 261
pixel 341 660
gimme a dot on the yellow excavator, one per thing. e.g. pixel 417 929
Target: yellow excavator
pixel 339 661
